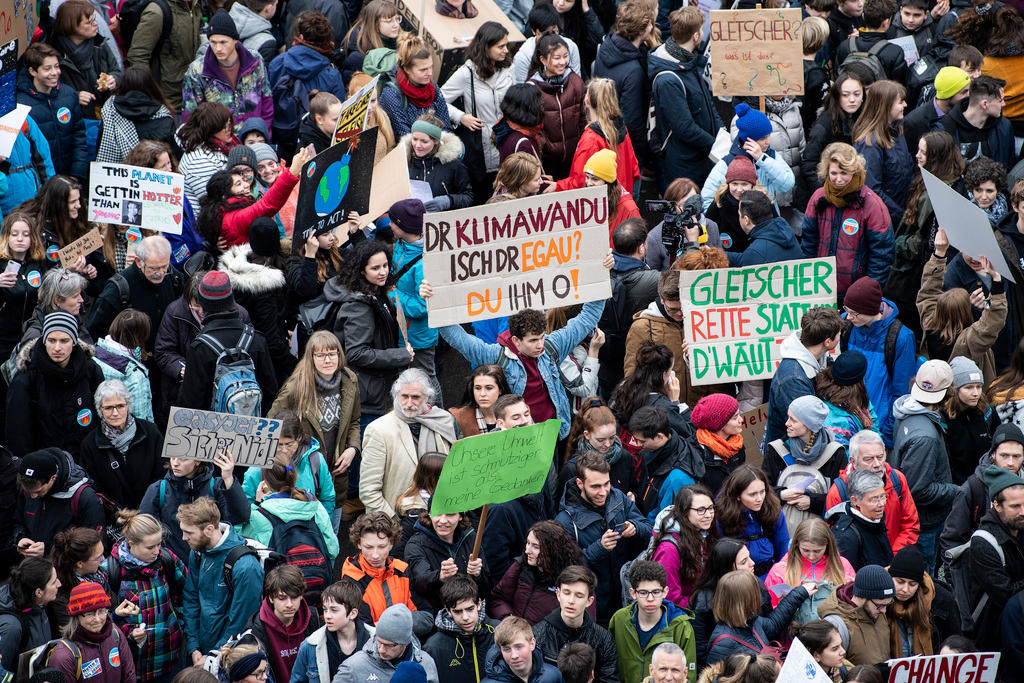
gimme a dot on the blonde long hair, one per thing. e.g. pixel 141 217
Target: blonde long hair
pixel 379 116
pixel 302 383
pixel 814 531
pixel 604 108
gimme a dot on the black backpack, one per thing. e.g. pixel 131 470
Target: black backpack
pixel 116 572
pixel 130 15
pixel 301 543
pixel 616 319
pixel 891 337
pixel 291 103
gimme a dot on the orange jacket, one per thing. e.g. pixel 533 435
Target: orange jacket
pixel 376 597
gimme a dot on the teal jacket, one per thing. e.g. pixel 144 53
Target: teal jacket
pixel 407 292
pixel 634 661
pixel 224 613
pixel 259 528
pixel 321 486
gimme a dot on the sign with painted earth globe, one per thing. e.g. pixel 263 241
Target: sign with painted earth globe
pixel 332 187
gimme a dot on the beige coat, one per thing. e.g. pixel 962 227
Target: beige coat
pixel 389 462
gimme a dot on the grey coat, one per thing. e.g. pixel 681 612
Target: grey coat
pixel 367 665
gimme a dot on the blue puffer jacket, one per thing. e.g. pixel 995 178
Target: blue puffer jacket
pixel 883 388
pixel 224 613
pixel 587 524
pixel 558 344
pixel 407 292
pixel 59 117
pixel 766 546
pixel 23 179
pixel 315 70
pixel 770 242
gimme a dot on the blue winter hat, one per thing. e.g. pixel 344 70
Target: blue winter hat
pixel 409 672
pixel 752 124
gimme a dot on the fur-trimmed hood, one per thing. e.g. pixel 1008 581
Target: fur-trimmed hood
pixel 251 278
pixel 450 148
pixel 25 352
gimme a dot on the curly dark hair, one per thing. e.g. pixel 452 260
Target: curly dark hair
pixel 315 30
pixel 523 105
pixel 984 169
pixel 351 275
pixel 648 377
pixel 218 201
pixel 691 542
pixel 208 119
pixel 557 551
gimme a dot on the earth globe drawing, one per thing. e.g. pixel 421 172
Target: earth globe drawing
pixel 332 187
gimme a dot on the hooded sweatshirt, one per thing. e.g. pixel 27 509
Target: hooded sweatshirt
pixel 20 629
pixel 460 656
pixel 993 140
pixel 280 642
pixel 793 378
pixel 919 451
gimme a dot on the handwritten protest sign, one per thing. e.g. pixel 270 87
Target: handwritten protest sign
pixel 354 111
pixel 801 667
pixel 199 434
pixel 756 52
pixel 966 225
pixel 735 318
pixel 10 126
pixel 538 252
pixel 969 667
pixel 495 468
pixel 335 182
pixel 86 244
pixel 17 22
pixel 754 422
pixel 136 196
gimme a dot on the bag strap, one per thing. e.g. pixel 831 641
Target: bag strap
pixel 981 533
pixel 234 555
pixel 877 48
pixel 732 637
pixel 891 337
pixel 123 291
pixel 472 89
pixel 215 345
pixel 405 268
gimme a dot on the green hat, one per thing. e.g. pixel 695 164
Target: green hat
pixel 997 479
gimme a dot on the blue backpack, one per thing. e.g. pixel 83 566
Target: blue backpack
pixel 301 543
pixel 235 389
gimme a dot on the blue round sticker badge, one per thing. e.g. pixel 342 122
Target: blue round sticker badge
pixel 726 240
pixel 84 417
pixel 133 235
pixel 53 253
pixel 851 226
pixel 34 278
pixel 64 115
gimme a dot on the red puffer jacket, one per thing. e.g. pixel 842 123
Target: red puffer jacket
pixel 565 117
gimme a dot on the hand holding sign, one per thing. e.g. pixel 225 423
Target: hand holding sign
pixel 226 462
pixel 300 159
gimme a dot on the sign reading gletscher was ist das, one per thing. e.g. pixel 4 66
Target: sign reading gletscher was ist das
pixel 736 318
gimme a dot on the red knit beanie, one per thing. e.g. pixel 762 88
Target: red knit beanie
pixel 864 297
pixel 87 596
pixel 741 168
pixel 713 411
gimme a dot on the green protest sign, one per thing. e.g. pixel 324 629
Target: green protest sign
pixel 736 318
pixel 495 468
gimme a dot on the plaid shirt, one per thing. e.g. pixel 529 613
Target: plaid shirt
pixel 161 651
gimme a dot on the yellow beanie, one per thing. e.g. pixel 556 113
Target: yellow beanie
pixel 949 81
pixel 602 165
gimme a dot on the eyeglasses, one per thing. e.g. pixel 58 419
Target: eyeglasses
pixel 156 270
pixel 116 408
pixel 260 673
pixel 290 445
pixel 881 606
pixel 327 355
pixel 101 614
pixel 656 593
pixel 852 315
pixel 708 510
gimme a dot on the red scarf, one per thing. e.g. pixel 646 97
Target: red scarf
pixel 225 147
pixel 532 132
pixel 421 96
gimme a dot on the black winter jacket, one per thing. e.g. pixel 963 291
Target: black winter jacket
pixel 59 117
pixel 704 619
pixel 818 138
pixel 143 295
pixel 226 328
pixel 124 478
pixel 860 541
pixel 309 134
pixel 70 502
pixel 232 503
pixel 143 112
pixel 968 439
pixel 84 77
pixel 994 139
pixel 17 303
pixel 626 64
pixel 48 405
pixel 553 634
pixel 443 171
pixel 999 580
pixel 891 56
pixel 425 552
pixel 460 657
pixel 177 330
pixel 368 331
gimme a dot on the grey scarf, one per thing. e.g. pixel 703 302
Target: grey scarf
pixel 438 422
pixel 123 439
pixel 328 400
pixel 796 447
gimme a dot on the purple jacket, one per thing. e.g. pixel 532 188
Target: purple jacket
pixel 106 657
pixel 206 82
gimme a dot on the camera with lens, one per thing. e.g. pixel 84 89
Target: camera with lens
pixel 675 221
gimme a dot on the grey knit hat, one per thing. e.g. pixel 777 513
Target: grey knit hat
pixel 965 371
pixel 873 583
pixel 395 624
pixel 811 411
pixel 60 321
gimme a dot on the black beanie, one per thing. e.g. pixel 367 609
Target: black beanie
pixel 264 237
pixel 222 25
pixel 908 564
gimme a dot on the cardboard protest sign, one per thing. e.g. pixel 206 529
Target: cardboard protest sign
pixel 969 667
pixel 8 79
pixel 449 37
pixel 199 434
pixel 539 252
pixel 495 468
pixel 10 126
pixel 801 667
pixel 86 244
pixel 755 421
pixel 17 22
pixel 390 184
pixel 735 318
pixel 335 182
pixel 136 196
pixel 966 225
pixel 353 112
pixel 756 52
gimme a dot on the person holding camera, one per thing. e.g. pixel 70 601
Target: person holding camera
pixel 678 214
